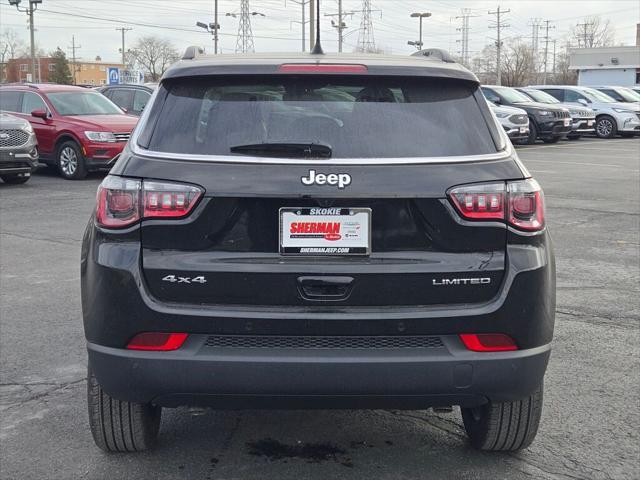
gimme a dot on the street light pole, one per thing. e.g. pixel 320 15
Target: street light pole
pixel 421 16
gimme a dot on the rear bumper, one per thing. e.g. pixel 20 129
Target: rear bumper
pixel 294 378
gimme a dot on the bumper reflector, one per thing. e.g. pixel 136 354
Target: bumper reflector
pixel 157 341
pixel 488 342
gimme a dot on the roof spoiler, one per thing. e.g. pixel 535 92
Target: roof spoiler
pixel 192 52
pixel 438 53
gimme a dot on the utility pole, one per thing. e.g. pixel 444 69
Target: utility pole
pixel 585 35
pixel 123 30
pixel 554 57
pixel 340 25
pixel 498 25
pixel 465 14
pixel 303 21
pixel 366 40
pixel 216 27
pixel 30 10
pixel 546 50
pixel 312 24
pixel 73 49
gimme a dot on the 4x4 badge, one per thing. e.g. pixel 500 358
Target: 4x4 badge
pixel 339 179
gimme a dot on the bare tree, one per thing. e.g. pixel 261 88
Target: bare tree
pixel 154 55
pixel 484 64
pixel 562 74
pixel 10 44
pixel 593 32
pixel 517 64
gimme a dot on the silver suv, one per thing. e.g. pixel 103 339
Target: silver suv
pixel 612 118
pixel 18 149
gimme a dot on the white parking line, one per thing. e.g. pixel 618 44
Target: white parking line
pixel 605 165
pixel 585 154
pixel 574 145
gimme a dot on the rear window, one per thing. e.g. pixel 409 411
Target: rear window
pixel 356 117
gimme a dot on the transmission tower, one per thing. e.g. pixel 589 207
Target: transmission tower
pixel 498 24
pixel 244 42
pixel 545 58
pixel 536 25
pixel 366 40
pixel 465 14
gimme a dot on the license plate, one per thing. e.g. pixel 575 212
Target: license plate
pixel 567 122
pixel 590 123
pixel 325 231
pixel 523 129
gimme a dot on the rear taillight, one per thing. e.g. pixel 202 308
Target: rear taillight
pixel 157 341
pixel 519 203
pixel 488 342
pixel 123 201
pixel 480 202
pixel 526 205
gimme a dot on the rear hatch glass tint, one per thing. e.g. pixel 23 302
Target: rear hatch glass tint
pixel 356 116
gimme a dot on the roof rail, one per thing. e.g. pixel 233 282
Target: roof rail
pixel 435 52
pixel 192 52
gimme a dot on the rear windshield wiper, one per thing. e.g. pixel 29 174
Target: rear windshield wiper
pixel 286 150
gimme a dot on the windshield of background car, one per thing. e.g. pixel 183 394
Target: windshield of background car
pixel 511 95
pixel 596 96
pixel 82 103
pixel 542 97
pixel 628 94
pixel 357 117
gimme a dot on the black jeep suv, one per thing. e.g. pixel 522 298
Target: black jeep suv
pixel 318 231
pixel 551 123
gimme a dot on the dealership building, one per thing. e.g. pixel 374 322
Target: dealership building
pixel 606 65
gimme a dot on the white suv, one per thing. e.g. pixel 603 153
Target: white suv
pixel 612 117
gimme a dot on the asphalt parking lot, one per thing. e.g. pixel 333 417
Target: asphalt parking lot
pixel 590 421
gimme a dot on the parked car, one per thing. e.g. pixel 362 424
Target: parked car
pixel 131 98
pixel 318 231
pixel 547 122
pixel 18 149
pixel 514 121
pixel 620 94
pixel 583 119
pixel 636 89
pixel 78 130
pixel 612 118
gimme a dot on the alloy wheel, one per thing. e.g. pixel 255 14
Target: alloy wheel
pixel 605 127
pixel 68 161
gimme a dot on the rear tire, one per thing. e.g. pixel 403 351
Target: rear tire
pixel 606 127
pixel 533 133
pixel 119 426
pixel 551 139
pixel 15 179
pixel 507 426
pixel 70 161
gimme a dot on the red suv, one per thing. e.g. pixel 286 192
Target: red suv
pixel 78 130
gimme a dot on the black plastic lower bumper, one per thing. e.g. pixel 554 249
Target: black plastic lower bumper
pixel 198 374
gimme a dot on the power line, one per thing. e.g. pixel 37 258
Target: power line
pixel 498 24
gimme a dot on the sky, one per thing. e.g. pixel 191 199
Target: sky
pixel 94 23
